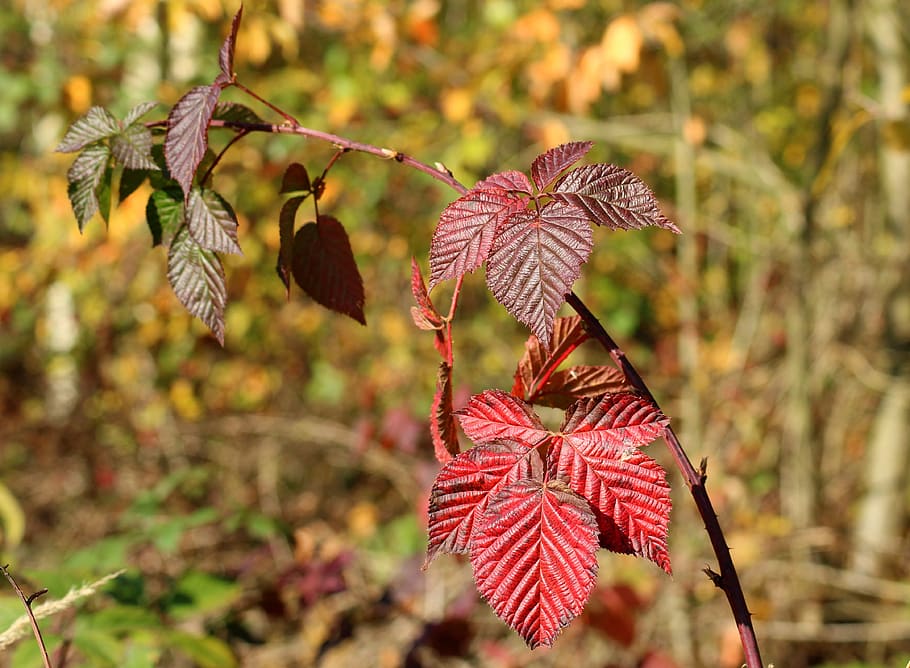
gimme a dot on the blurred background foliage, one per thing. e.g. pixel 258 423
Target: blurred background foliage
pixel 267 498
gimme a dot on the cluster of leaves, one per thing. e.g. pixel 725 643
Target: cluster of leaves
pixel 529 505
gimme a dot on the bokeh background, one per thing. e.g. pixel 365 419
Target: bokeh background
pixel 267 499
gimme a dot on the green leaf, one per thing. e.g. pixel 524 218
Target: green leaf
pixel 235 113
pixel 122 618
pixel 138 112
pixel 97 124
pixel 200 594
pixel 197 277
pixel 211 221
pixel 12 518
pixel 133 148
pixel 99 647
pixel 164 213
pixel 130 180
pixel 104 194
pixel 28 654
pixel 206 651
pixel 86 176
pixel 105 555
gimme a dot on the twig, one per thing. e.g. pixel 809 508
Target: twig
pixel 27 602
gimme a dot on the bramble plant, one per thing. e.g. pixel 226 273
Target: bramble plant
pixel 528 504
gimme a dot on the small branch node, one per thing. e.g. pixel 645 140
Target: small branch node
pixel 389 153
pixel 714 576
pixel 703 470
pixel 38 594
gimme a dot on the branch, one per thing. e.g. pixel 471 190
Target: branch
pixel 27 602
pixel 727 579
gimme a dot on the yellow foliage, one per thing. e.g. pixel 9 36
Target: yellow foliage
pixel 457 104
pixel 183 399
pixel 78 93
pixel 621 45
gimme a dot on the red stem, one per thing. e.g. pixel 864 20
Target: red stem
pixel 727 579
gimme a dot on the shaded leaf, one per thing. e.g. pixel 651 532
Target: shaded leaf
pixel 598 456
pixel 226 53
pixel 295 178
pixel 539 361
pixel 85 182
pixel 494 415
pixel 462 487
pixel 103 192
pixel 466 230
pixel 612 196
pixel 130 181
pixel 97 124
pixel 442 421
pixel 197 277
pixel 425 315
pixel 165 214
pixel 535 259
pixel 235 113
pixel 323 266
pixel 534 559
pixel 547 167
pixel 286 240
pixel 132 148
pixel 211 221
pixel 188 133
pixel 138 112
pixel 565 387
pixel 510 180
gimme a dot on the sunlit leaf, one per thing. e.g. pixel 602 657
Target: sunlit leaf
pixel 612 196
pixel 535 259
pixel 165 215
pixel 197 277
pixel 466 231
pixel 132 148
pixel 138 112
pixel 510 180
pixel 188 133
pixel 547 167
pixel 97 124
pixel 533 555
pixel 85 178
pixel 211 221
pixel 598 456
pixel 226 53
pixel 495 415
pixel 462 487
pixel 566 386
pixel 323 266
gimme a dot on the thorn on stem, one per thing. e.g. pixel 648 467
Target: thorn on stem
pixel 703 470
pixel 714 576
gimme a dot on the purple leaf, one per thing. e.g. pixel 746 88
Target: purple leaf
pixel 235 113
pixel 466 230
pixel 295 178
pixel 612 196
pixel 323 266
pixel 197 277
pixel 286 240
pixel 188 133
pixel 548 166
pixel 535 259
pixel 511 180
pixel 226 54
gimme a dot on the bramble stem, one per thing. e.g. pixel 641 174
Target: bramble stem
pixel 727 579
pixel 27 602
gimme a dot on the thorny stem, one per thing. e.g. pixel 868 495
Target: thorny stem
pixel 27 602
pixel 727 579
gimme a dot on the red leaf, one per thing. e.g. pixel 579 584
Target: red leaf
pixel 494 414
pixel 188 133
pixel 565 387
pixel 463 486
pixel 511 180
pixel 323 265
pixel 535 259
pixel 226 54
pixel 442 422
pixel 598 457
pixel 466 229
pixel 424 314
pixel 295 179
pixel 538 362
pixel 548 166
pixel 534 557
pixel 612 196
